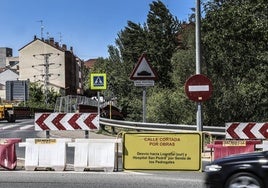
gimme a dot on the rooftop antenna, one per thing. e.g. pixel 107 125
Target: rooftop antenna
pixel 60 38
pixel 42 28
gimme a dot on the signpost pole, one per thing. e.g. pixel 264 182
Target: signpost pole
pixel 143 75
pixel 98 95
pixel 144 105
pixel 98 82
pixel 199 126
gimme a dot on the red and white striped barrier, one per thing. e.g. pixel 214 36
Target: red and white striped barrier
pixel 247 130
pixel 66 121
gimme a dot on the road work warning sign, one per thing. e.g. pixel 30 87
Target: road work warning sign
pixel 162 151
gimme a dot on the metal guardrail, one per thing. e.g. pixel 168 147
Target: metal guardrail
pixel 217 131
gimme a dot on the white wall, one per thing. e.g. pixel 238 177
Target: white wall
pixel 32 60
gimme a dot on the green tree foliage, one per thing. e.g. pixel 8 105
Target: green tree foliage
pixel 162 39
pixel 119 85
pixel 37 97
pixel 131 43
pixel 183 66
pixel 169 106
pixel 36 93
pixel 183 60
pixel 235 46
pixel 234 56
pixel 156 38
pixel 86 76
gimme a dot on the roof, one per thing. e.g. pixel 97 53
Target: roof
pixel 50 42
pixel 90 63
pixel 3 69
pixel 7 74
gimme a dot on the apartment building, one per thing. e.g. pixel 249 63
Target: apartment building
pixel 52 65
pixel 7 59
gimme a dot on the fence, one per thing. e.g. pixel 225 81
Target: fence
pixel 217 131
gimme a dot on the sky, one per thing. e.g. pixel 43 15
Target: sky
pixel 89 26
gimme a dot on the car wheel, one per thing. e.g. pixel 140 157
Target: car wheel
pixel 245 180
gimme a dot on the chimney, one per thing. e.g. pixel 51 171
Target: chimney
pixel 51 41
pixel 57 44
pixel 64 47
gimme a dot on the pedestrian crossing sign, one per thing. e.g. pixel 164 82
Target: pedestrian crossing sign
pixel 98 81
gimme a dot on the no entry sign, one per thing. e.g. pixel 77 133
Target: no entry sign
pixel 198 88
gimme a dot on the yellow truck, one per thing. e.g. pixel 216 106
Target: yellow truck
pixel 7 113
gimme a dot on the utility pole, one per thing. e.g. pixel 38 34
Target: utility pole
pixel 198 61
pixel 46 80
pixel 46 74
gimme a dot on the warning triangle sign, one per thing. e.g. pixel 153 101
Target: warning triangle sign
pixel 143 70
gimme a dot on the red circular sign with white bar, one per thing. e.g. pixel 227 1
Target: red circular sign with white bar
pixel 198 88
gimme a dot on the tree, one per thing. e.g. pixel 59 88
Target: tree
pixel 162 39
pixel 131 43
pixel 183 60
pixel 234 57
pixel 37 97
pixel 119 85
pixel 235 45
pixel 183 66
pixel 36 93
pixel 156 38
pixel 169 106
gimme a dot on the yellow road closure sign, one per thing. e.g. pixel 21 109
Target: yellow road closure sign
pixel 162 151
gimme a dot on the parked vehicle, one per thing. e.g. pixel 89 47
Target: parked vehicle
pixel 248 170
pixel 7 113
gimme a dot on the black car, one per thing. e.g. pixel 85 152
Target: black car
pixel 248 170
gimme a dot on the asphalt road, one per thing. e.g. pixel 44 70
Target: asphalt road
pixel 42 179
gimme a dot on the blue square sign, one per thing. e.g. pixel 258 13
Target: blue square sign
pixel 98 81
